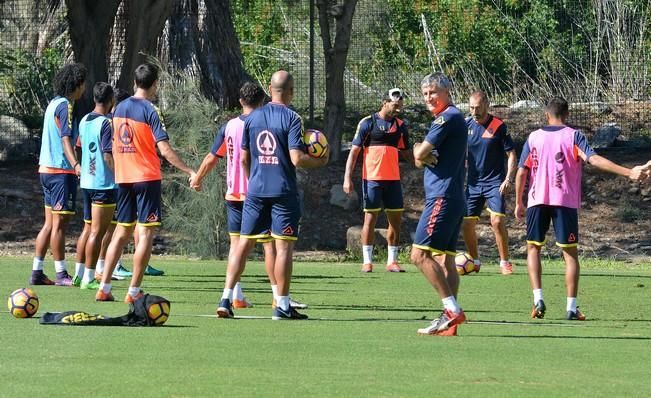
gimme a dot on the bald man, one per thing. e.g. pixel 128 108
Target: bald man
pixel 272 148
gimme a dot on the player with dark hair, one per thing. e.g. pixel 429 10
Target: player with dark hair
pixel 380 137
pixel 488 180
pixel 97 182
pixel 272 147
pixel 58 168
pixel 552 162
pixel 443 154
pixel 138 130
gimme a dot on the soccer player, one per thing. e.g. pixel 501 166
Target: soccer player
pixel 488 181
pixel 443 154
pixel 58 169
pixel 552 161
pixel 380 137
pixel 227 143
pixel 272 147
pixel 138 130
pixel 97 182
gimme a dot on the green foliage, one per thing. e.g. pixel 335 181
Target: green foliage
pixel 197 218
pixel 26 82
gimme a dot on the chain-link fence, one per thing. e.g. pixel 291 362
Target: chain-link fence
pixel 597 54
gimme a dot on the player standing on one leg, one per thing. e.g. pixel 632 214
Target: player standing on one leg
pixel 488 181
pixel 58 169
pixel 380 137
pixel 97 179
pixel 443 154
pixel 272 146
pixel 552 160
pixel 138 130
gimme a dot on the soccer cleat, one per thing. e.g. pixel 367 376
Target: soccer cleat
pixel 151 271
pixel 538 310
pixel 121 272
pixel 92 285
pixel 76 281
pixel 445 325
pixel 101 296
pixel 476 268
pixel 39 278
pixel 244 303
pixel 291 314
pixel 130 300
pixel 292 303
pixel 366 268
pixel 506 269
pixel 575 315
pixel 225 310
pixel 98 277
pixel 63 279
pixel 394 267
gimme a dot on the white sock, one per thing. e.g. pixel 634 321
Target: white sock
pixel 283 303
pixel 99 268
pixel 228 294
pixel 79 269
pixel 477 262
pixel 571 304
pixel 37 264
pixel 274 291
pixel 60 266
pixel 238 291
pixel 367 253
pixel 133 291
pixel 392 254
pixel 450 304
pixel 89 275
pixel 537 295
pixel 105 287
pixel 504 263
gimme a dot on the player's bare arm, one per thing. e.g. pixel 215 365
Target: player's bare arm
pixel 510 174
pixel 69 151
pixel 171 156
pixel 305 161
pixel 108 159
pixel 604 164
pixel 209 162
pixel 520 182
pixel 350 166
pixel 423 155
pixel 245 160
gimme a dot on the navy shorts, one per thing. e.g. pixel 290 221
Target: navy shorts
pixel 98 198
pixel 478 195
pixel 439 225
pixel 566 225
pixel 60 192
pixel 379 193
pixel 141 202
pixel 234 219
pixel 281 213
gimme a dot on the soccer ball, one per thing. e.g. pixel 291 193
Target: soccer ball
pixel 316 142
pixel 464 263
pixel 23 303
pixel 159 312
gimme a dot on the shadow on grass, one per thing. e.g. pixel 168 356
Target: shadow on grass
pixel 560 337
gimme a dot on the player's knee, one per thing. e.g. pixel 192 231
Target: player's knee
pixel 497 222
pixel 418 256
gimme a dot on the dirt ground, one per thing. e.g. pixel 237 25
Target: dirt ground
pixel 614 221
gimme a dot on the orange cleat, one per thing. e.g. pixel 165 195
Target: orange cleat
pixel 394 267
pixel 366 268
pixel 101 296
pixel 242 303
pixel 506 269
pixel 130 300
pixel 445 325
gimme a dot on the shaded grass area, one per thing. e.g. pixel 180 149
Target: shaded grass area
pixel 361 340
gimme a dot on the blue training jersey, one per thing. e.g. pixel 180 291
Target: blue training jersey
pixel 488 144
pixel 449 137
pixel 269 133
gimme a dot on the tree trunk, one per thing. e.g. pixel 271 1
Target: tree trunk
pixel 335 65
pixel 89 27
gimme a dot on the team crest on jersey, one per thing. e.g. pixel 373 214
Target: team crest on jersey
pixel 439 120
pixel 266 144
pixel 571 238
pixel 57 207
pixel 288 230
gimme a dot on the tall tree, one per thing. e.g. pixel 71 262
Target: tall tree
pixel 335 64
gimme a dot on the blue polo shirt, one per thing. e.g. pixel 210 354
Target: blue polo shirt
pixel 488 143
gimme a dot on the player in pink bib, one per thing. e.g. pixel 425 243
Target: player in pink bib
pixel 552 162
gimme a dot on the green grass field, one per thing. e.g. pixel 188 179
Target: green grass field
pixel 360 341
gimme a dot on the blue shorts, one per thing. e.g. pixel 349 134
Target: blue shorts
pixel 234 220
pixel 140 202
pixel 60 192
pixel 439 225
pixel 282 213
pixel 98 198
pixel 477 195
pixel 379 193
pixel 566 225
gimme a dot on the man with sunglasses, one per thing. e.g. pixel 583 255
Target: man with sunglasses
pixel 380 137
